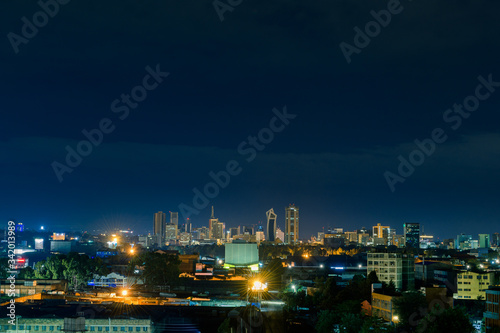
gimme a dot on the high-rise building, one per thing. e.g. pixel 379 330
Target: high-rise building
pixel 412 234
pixel 234 232
pixel 259 234
pixel 495 239
pixel 159 226
pixel 188 225
pixel 218 230
pixel 291 224
pixel 398 267
pixel 174 218
pixel 170 232
pixel 484 240
pixel 211 222
pixel 383 233
pixel 248 230
pixel 271 225
pixel 280 234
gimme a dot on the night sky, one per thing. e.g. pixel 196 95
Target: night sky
pixel 352 120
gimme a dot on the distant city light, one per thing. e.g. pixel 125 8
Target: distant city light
pixel 321 266
pixel 42 228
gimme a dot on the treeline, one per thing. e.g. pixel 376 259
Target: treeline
pixel 77 269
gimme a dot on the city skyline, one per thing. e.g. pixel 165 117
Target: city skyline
pixel 402 130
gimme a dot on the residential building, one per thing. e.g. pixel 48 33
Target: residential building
pixel 473 285
pixel 383 306
pixel 291 224
pixel 492 314
pixel 398 267
pixel 28 325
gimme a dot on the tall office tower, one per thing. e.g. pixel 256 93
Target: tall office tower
pixel 218 230
pixel 211 222
pixel 484 240
pixel 174 218
pixel 271 225
pixel 188 226
pixel 259 234
pixel 412 235
pixel 382 234
pixel 170 232
pixel 159 226
pixel 291 224
pixel 234 232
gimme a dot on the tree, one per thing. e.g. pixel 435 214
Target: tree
pixel 26 273
pixel 439 320
pixel 411 307
pixel 326 321
pixel 160 269
pixel 350 323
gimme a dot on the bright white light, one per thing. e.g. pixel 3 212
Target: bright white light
pixel 42 228
pixel 124 292
pixel 321 266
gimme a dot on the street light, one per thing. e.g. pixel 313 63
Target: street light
pixel 124 292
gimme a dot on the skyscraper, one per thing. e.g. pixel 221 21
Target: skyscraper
pixel 174 218
pixel 383 233
pixel 159 226
pixel 291 224
pixel 188 225
pixel 271 225
pixel 484 240
pixel 211 223
pixel 412 234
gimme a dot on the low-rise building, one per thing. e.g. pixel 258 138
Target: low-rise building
pixel 28 325
pixel 383 307
pixel 472 285
pixel 492 314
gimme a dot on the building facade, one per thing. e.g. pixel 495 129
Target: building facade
pixel 471 285
pixel 412 234
pixel 271 225
pixel 492 314
pixel 291 224
pixel 28 325
pixel 159 226
pixel 398 267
